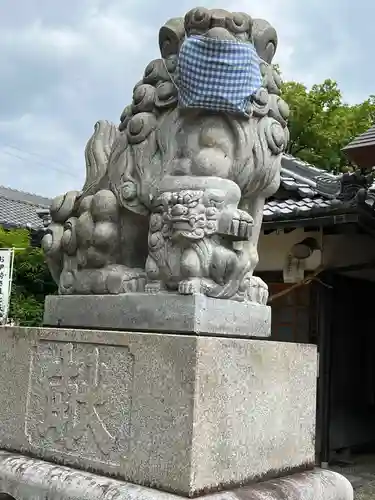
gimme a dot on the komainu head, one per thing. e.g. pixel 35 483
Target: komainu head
pixel 159 136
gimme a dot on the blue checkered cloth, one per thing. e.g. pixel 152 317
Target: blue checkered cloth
pixel 219 75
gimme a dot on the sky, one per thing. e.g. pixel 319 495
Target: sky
pixel 64 64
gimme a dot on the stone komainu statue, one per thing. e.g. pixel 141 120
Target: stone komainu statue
pixel 174 195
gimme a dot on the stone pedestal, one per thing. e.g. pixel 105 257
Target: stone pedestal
pixel 184 414
pixel 25 478
pixel 161 312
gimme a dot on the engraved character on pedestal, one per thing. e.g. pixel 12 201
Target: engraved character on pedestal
pixel 72 400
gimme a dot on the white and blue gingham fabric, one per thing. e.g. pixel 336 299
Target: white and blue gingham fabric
pixel 219 75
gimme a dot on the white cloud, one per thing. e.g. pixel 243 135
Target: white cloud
pixel 91 60
pixel 48 159
pixel 50 41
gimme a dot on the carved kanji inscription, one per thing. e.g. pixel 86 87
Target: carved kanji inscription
pixel 79 400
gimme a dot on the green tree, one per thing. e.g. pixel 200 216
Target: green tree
pixel 31 278
pixel 321 123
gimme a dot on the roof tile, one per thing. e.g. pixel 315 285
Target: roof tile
pixel 19 209
pixel 310 191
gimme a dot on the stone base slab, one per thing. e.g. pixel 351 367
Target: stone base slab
pixel 180 413
pixel 24 478
pixel 161 312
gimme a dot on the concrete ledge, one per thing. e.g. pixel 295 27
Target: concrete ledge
pixel 161 312
pixel 25 478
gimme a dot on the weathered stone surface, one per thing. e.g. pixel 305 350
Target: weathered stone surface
pixel 180 413
pixel 192 218
pixel 193 314
pixel 174 195
pixel 26 478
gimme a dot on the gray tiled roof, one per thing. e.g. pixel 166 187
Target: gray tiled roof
pixel 305 191
pixel 304 208
pixel 365 139
pixel 19 209
pixel 361 151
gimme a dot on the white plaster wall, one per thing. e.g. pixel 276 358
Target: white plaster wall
pixel 274 248
pixel 338 250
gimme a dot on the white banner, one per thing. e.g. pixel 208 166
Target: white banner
pixel 6 271
pixel 294 270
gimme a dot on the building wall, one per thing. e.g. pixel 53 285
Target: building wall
pixel 351 374
pixel 290 309
pixel 346 395
pixel 292 315
pixel 338 250
pixel 342 250
pixel 273 249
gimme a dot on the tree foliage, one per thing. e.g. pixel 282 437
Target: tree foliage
pixel 321 123
pixel 31 278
